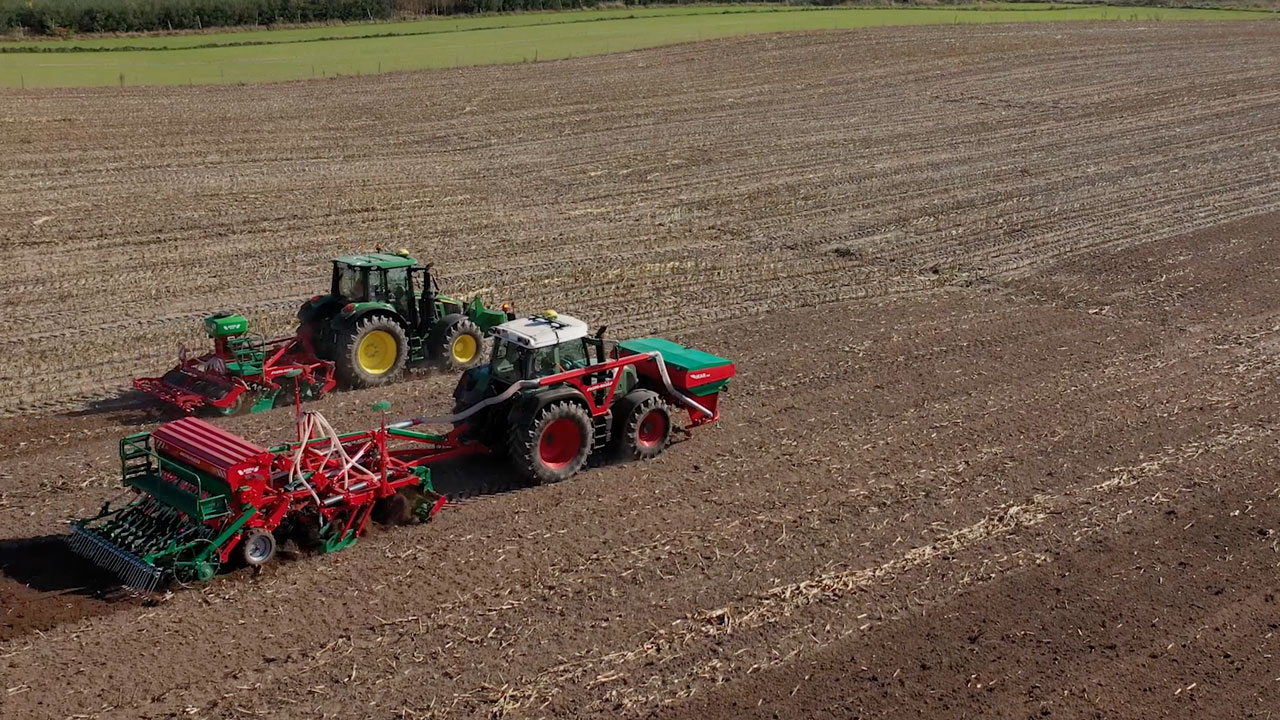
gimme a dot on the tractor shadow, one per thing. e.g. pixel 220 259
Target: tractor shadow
pixel 469 478
pixel 480 476
pixel 129 407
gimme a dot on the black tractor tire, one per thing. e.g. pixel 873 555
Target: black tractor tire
pixel 552 443
pixel 321 336
pixel 642 425
pixel 352 372
pixel 461 337
pixel 257 547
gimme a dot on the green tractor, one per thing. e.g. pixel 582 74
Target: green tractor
pixel 384 312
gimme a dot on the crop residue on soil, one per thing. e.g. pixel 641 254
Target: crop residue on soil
pixel 1003 442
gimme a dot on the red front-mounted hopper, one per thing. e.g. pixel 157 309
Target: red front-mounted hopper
pixel 209 448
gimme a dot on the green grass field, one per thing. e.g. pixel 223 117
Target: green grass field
pixel 272 55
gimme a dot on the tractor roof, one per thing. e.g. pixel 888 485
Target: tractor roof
pixel 384 261
pixel 541 331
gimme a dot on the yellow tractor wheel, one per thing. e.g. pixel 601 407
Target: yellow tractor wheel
pixel 462 346
pixel 372 352
pixel 377 352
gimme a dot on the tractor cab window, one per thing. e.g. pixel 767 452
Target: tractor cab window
pixel 506 362
pixel 378 285
pixel 399 293
pixel 350 282
pixel 543 362
pixel 573 355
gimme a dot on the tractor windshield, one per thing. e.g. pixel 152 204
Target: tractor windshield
pixel 511 362
pixel 349 282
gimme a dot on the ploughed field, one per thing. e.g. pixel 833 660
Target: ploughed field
pixel 1003 440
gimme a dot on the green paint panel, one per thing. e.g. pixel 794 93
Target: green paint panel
pixel 484 318
pixel 360 307
pixel 195 507
pixel 709 388
pixel 675 355
pixel 218 326
pixel 265 402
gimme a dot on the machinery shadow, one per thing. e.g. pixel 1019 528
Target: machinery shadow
pixel 47 564
pixel 129 407
pixel 474 477
pixel 479 476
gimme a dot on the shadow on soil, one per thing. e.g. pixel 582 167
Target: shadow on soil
pixel 486 475
pixel 475 477
pixel 47 564
pixel 43 585
pixel 130 407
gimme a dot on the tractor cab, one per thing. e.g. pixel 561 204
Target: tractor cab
pixel 546 344
pixel 387 278
pixel 527 349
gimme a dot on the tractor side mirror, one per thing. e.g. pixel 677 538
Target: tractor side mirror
pixel 600 354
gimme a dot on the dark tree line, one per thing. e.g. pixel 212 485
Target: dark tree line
pixel 52 17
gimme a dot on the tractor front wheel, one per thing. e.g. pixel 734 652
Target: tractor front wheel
pixel 257 547
pixel 644 425
pixel 552 444
pixel 461 346
pixel 372 352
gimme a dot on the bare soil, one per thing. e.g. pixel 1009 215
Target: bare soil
pixel 1003 442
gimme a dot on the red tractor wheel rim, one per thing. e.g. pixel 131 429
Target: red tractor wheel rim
pixel 560 443
pixel 653 428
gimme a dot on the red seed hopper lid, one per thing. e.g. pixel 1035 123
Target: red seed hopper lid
pixel 196 442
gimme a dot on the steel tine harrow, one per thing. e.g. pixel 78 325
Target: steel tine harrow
pixel 132 570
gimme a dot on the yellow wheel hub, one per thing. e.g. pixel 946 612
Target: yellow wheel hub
pixel 377 353
pixel 464 348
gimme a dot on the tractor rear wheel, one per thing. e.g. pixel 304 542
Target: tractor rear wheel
pixel 320 336
pixel 257 547
pixel 372 352
pixel 643 428
pixel 551 444
pixel 461 346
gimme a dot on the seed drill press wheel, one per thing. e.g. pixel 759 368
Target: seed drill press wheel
pixel 257 547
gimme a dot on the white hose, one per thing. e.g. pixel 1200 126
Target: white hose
pixel 308 423
pixel 516 387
